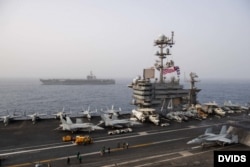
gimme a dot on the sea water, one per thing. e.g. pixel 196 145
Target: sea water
pixel 237 91
pixel 31 96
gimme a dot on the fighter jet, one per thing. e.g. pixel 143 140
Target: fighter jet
pixel 190 113
pixel 154 118
pixel 68 125
pixel 34 117
pixel 113 121
pixel 169 112
pixel 212 107
pixel 209 138
pixel 173 116
pixel 87 113
pixel 182 115
pixel 7 118
pixel 60 113
pixel 139 115
pixel 112 111
pixel 235 107
pixel 143 114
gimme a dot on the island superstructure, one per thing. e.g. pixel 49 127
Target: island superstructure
pixel 90 80
pixel 156 93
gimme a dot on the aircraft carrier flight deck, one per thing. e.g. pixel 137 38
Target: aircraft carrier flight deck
pixel 25 145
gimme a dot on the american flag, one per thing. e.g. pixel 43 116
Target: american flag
pixel 171 69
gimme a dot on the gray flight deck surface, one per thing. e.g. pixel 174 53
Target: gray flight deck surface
pixel 24 144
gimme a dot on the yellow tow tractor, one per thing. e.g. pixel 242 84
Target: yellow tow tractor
pixel 78 139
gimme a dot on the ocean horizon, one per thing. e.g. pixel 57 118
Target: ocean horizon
pixel 22 94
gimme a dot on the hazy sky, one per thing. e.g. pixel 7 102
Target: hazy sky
pixel 114 38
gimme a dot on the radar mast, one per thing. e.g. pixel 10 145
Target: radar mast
pixel 163 42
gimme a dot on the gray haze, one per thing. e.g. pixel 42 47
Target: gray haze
pixel 114 38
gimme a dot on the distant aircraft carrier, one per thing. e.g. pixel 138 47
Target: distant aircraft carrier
pixel 91 80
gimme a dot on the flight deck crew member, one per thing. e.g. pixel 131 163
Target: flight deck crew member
pixel 80 159
pixel 109 150
pixel 68 160
pixel 101 153
pixel 78 154
pixel 123 144
pixel 103 149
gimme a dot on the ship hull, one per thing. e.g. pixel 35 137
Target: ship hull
pixel 77 81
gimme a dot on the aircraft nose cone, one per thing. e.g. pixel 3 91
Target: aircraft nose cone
pixel 190 142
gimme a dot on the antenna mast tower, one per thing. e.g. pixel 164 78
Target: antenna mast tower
pixel 163 42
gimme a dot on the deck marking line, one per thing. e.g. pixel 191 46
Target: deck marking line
pixel 195 147
pixel 151 164
pixel 185 153
pixel 35 150
pixel 143 133
pixel 168 131
pixel 97 152
pixel 19 165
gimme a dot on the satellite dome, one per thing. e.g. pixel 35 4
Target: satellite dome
pixel 162 37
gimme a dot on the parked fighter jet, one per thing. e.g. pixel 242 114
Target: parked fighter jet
pixel 169 113
pixel 139 115
pixel 235 107
pixel 173 116
pixel 34 117
pixel 143 114
pixel 208 137
pixel 182 115
pixel 87 113
pixel 58 114
pixel 68 125
pixel 113 121
pixel 190 113
pixel 212 107
pixel 7 118
pixel 155 118
pixel 112 111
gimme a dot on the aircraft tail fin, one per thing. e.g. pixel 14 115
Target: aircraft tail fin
pixel 102 116
pixel 68 120
pixel 88 116
pixel 208 130
pixel 63 119
pixel 223 130
pixel 235 139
